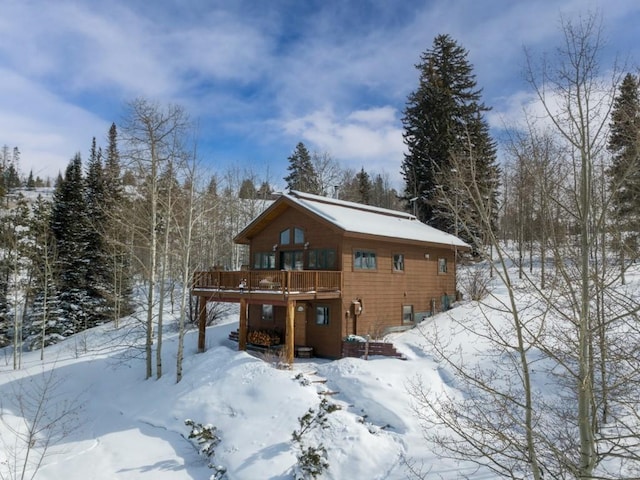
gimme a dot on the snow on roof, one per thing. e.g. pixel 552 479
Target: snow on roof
pixel 366 219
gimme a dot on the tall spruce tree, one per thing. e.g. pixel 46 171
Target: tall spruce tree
pixel 443 118
pixel 624 144
pixel 302 176
pixel 116 207
pixel 71 229
pixel 364 186
pixel 98 271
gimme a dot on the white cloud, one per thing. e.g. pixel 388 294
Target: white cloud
pixel 369 138
pixel 47 130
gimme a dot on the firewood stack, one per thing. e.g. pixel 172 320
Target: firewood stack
pixel 262 338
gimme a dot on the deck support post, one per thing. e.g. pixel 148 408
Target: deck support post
pixel 242 330
pixel 202 323
pixel 289 331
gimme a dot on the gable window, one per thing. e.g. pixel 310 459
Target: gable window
pixel 407 313
pixel 442 265
pixel 398 262
pixel 285 237
pixel 298 236
pixel 322 259
pixel 364 260
pixel 267 313
pixel 322 315
pixel 264 261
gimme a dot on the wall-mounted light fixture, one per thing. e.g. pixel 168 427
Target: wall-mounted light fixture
pixel 306 245
pixel 275 247
pixel 426 256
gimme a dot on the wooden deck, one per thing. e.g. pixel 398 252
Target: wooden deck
pixel 268 283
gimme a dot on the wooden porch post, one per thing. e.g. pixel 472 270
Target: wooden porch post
pixel 289 331
pixel 242 331
pixel 202 323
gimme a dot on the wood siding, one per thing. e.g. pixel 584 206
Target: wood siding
pixel 383 291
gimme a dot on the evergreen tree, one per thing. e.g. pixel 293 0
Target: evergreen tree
pixel 71 228
pixel 44 326
pixel 624 144
pixel 247 189
pixel 364 187
pixel 302 176
pixel 98 278
pixel 31 183
pixel 116 207
pixel 444 118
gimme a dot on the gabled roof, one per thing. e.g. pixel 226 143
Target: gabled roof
pixel 353 218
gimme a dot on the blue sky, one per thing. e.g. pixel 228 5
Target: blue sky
pixel 260 76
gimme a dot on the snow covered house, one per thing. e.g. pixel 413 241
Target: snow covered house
pixel 324 269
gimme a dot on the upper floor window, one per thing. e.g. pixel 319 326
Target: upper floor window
pixel 442 265
pixel 364 260
pixel 264 260
pixel 298 236
pixel 322 259
pixel 285 237
pixel 398 262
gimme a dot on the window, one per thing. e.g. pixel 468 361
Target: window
pixel 298 236
pixel 264 261
pixel 322 259
pixel 291 260
pixel 442 265
pixel 398 262
pixel 364 260
pixel 407 313
pixel 267 313
pixel 322 315
pixel 285 237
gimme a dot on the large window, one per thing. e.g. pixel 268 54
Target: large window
pixel 322 315
pixel 264 261
pixel 364 260
pixel 322 259
pixel 407 313
pixel 442 265
pixel 291 260
pixel 285 237
pixel 298 236
pixel 398 262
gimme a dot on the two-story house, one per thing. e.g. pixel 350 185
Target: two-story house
pixel 323 269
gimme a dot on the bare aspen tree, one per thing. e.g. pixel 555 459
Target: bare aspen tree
pixel 37 417
pixel 185 229
pixel 576 332
pixel 153 137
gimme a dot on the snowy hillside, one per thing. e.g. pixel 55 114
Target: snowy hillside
pixel 118 425
pixel 127 427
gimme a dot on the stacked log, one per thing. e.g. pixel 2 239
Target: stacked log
pixel 263 338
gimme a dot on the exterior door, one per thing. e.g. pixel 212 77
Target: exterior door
pixel 292 260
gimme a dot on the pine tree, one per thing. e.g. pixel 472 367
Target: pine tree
pixel 302 176
pixel 98 271
pixel 364 187
pixel 624 144
pixel 116 205
pixel 71 227
pixel 444 118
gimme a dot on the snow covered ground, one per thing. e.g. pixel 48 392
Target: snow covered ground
pixel 130 428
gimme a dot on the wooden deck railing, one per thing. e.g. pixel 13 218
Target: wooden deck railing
pixel 270 280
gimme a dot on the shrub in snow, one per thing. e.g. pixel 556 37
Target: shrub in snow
pixel 206 439
pixel 312 459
